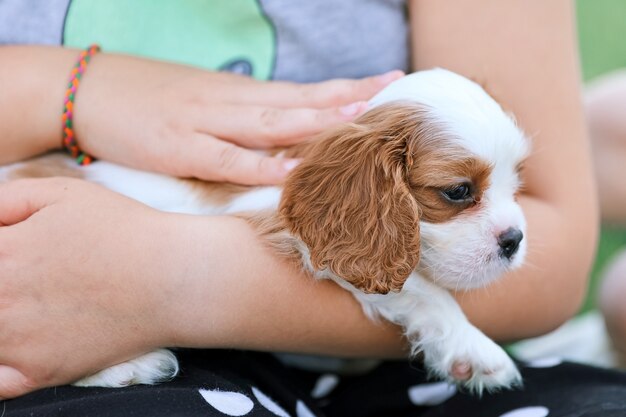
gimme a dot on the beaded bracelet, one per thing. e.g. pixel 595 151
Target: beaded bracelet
pixel 69 139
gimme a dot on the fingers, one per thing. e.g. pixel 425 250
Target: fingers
pixel 267 127
pixel 264 115
pixel 333 93
pixel 13 383
pixel 214 160
pixel 22 198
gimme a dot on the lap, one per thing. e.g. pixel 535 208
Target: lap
pixel 235 383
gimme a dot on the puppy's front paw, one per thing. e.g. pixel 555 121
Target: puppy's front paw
pixel 472 360
pixel 151 368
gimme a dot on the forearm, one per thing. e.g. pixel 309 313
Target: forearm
pixel 33 81
pixel 236 293
pixel 524 53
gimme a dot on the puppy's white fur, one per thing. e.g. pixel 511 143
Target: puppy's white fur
pixel 461 253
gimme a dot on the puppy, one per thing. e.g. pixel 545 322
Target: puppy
pixel 414 198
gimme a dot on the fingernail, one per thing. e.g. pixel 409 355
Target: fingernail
pixel 390 76
pixel 352 109
pixel 291 164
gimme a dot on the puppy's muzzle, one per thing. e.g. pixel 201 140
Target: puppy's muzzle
pixel 509 241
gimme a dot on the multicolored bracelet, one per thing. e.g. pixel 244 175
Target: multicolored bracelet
pixel 69 138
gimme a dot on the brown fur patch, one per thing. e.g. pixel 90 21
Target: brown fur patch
pixel 350 203
pixel 215 193
pixel 51 165
pixel 273 229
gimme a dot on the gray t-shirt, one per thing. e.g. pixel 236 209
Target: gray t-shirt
pixel 295 40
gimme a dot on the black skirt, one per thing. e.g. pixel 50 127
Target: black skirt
pixel 235 383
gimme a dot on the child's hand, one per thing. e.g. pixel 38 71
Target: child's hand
pixel 193 123
pixel 80 281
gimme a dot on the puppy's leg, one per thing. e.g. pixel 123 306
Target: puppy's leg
pixel 466 356
pixel 454 350
pixel 154 367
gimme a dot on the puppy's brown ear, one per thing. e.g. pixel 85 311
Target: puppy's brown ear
pixel 349 201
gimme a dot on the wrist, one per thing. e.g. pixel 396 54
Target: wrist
pixel 48 70
pixel 33 80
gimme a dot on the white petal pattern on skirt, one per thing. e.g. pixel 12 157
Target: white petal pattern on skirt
pixel 268 403
pixel 430 394
pixel 535 411
pixel 324 385
pixel 303 411
pixel 228 402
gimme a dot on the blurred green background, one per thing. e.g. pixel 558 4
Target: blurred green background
pixel 602 37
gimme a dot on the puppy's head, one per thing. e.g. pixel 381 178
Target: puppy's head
pixel 425 180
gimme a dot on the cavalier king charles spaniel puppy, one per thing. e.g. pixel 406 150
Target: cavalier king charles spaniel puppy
pixel 414 198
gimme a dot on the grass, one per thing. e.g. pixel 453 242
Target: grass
pixel 602 38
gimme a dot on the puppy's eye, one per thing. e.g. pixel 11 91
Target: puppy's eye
pixel 460 192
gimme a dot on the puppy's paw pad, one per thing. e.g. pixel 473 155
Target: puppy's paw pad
pixel 461 370
pixel 493 372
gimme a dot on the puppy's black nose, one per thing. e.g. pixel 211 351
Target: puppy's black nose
pixel 509 242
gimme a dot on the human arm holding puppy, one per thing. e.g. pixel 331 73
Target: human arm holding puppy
pixel 168 118
pixel 525 55
pixel 221 300
pixel 120 108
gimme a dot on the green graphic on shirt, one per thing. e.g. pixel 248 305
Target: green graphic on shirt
pixel 212 34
